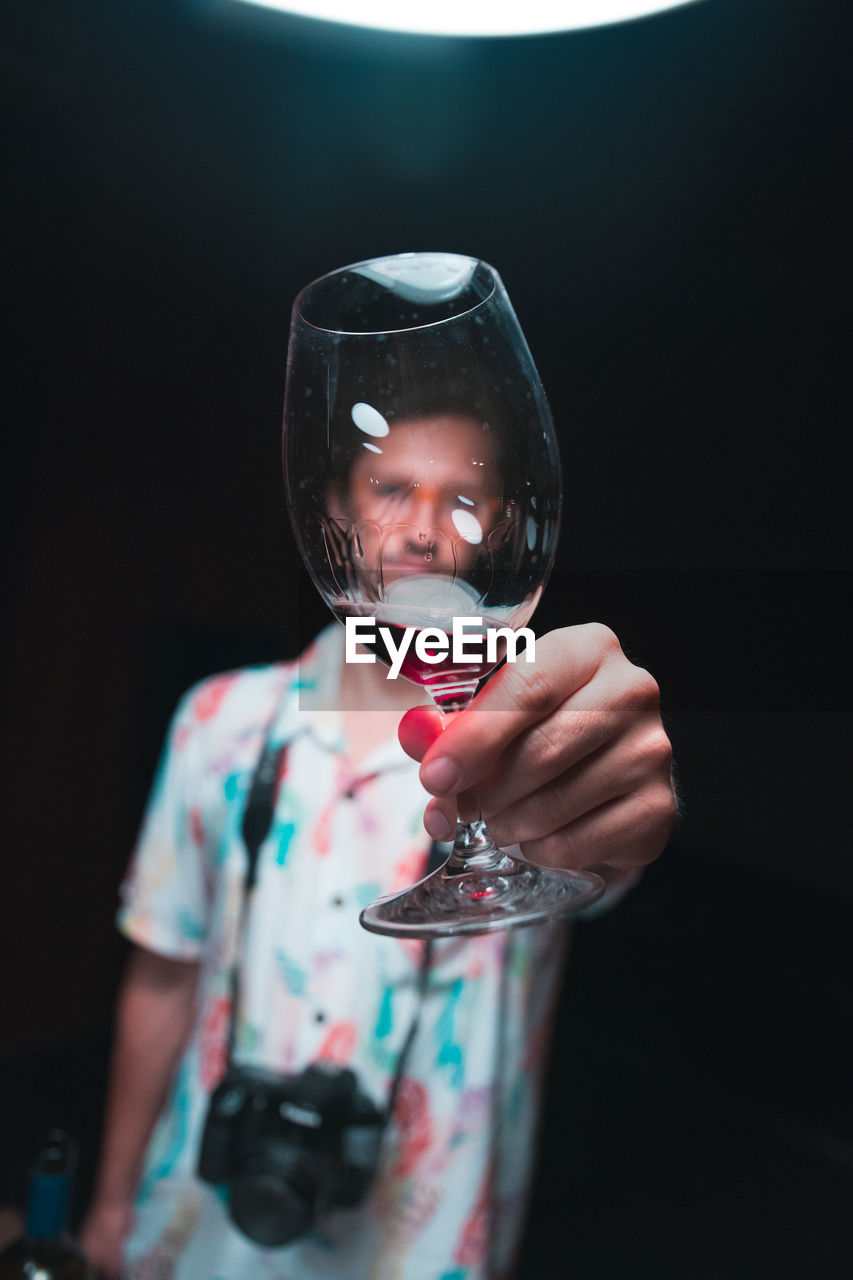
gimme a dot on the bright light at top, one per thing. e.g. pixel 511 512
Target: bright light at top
pixel 473 17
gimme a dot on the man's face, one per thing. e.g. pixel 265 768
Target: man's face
pixel 425 497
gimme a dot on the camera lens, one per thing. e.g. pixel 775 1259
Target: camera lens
pixel 272 1206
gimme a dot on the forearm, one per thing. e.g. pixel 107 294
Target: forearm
pixel 154 1018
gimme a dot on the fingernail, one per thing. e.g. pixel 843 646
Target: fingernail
pixel 437 825
pixel 440 776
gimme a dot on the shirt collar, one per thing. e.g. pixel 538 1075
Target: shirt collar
pixel 311 706
pixel 312 695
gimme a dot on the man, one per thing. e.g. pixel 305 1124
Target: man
pixel 568 759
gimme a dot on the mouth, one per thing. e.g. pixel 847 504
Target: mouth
pixel 397 568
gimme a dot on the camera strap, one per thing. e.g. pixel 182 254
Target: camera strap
pixel 255 827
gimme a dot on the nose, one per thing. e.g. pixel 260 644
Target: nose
pixel 425 507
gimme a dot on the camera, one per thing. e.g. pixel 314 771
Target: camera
pixel 290 1147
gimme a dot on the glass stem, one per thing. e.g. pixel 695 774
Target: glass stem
pixel 473 847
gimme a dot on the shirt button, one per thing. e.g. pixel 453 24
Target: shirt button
pixel 337 901
pixel 319 1016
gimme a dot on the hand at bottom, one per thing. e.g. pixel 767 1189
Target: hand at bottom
pixel 102 1236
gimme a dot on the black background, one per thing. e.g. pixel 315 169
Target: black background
pixel 668 204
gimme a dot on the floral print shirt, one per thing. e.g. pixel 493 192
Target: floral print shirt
pixel 448 1199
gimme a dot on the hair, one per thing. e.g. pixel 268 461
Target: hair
pixel 468 389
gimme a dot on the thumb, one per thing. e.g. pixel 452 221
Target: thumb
pixel 419 729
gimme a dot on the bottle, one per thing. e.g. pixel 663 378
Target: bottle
pixel 45 1251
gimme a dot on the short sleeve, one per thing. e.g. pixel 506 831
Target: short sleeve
pixel 164 904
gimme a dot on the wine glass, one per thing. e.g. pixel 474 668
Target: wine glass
pixel 424 487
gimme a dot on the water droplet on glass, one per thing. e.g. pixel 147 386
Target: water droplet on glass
pixel 467 525
pixel 421 536
pixel 428 557
pixel 369 420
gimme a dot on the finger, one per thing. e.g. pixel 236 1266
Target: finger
pixel 619 702
pixel 440 819
pixel 419 729
pixel 619 768
pixel 628 832
pixel 612 707
pixel 516 698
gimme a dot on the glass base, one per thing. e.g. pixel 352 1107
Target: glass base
pixel 477 899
